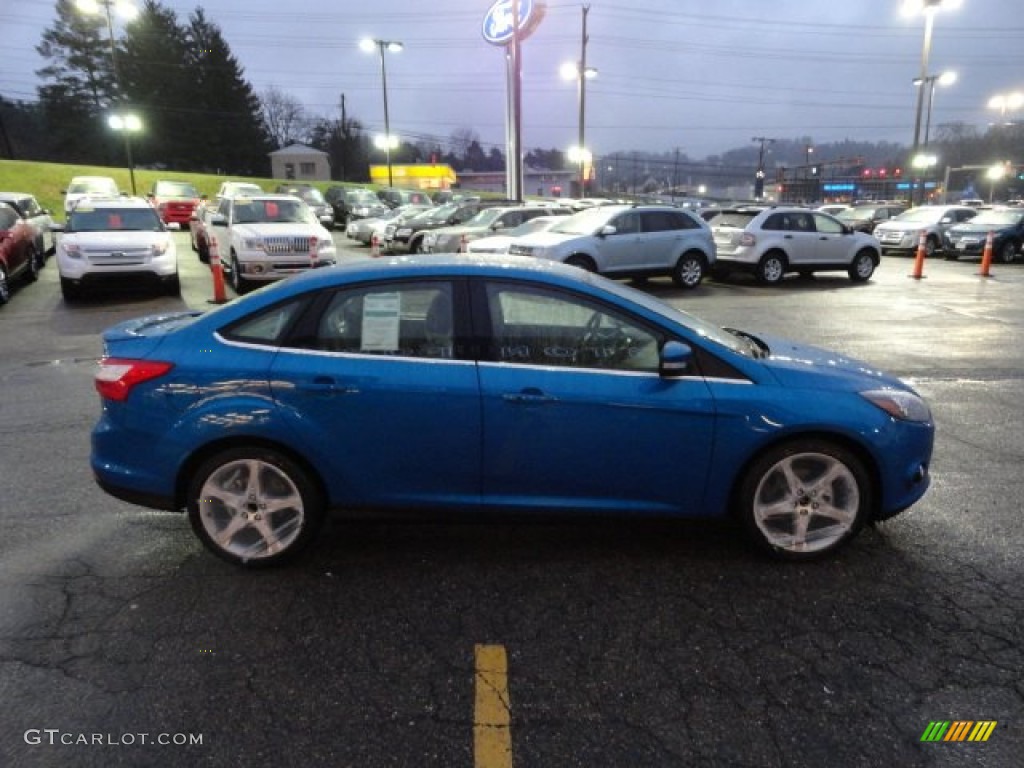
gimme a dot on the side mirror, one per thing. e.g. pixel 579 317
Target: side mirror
pixel 218 220
pixel 675 360
pixel 607 229
pixel 57 226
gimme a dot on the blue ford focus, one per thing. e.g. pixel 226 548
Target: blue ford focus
pixel 409 385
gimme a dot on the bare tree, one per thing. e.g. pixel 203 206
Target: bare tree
pixel 284 116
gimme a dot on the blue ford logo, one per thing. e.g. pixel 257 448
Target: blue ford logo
pixel 499 27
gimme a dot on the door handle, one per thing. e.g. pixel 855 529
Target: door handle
pixel 327 385
pixel 529 396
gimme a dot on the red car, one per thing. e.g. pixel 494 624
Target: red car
pixel 19 257
pixel 175 201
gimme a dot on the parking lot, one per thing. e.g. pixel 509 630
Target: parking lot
pixel 627 643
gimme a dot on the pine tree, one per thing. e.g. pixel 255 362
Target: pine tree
pixel 232 138
pixel 155 73
pixel 79 85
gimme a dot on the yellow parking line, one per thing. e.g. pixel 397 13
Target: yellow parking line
pixel 492 734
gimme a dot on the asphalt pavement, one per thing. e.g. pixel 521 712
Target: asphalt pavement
pixel 123 643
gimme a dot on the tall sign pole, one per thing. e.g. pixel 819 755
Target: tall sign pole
pixel 507 24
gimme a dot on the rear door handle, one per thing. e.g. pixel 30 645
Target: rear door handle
pixel 529 396
pixel 327 385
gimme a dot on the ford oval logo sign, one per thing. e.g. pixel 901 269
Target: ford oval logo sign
pixel 499 26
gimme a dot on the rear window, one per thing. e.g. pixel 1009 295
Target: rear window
pixel 737 219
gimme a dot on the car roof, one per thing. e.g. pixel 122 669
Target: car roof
pixel 112 202
pixel 5 196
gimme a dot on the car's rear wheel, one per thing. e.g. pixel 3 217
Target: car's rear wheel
pixel 203 249
pixel 689 270
pixel 863 266
pixel 805 498
pixel 5 288
pixel 35 263
pixel 583 262
pixel 772 268
pixel 254 506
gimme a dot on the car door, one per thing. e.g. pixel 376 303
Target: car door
pixel 618 251
pixel 660 237
pixel 380 373
pixel 575 415
pixel 832 245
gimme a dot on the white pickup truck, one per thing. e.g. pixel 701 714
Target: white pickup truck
pixel 262 238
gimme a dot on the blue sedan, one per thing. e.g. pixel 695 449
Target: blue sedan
pixel 493 385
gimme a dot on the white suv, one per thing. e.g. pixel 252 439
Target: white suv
pixel 628 241
pixel 115 241
pixel 84 186
pixel 771 242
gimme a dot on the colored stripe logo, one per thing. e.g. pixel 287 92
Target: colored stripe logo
pixel 959 730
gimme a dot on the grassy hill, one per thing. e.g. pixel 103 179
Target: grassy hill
pixel 46 180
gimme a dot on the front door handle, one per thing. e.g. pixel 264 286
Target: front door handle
pixel 529 396
pixel 327 385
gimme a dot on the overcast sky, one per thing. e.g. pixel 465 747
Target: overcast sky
pixel 703 77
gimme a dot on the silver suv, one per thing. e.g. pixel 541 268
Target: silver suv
pixel 772 242
pixel 903 233
pixel 628 241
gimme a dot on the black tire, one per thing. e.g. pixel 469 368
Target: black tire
pixel 931 247
pixel 70 291
pixel 172 287
pixel 203 249
pixel 36 260
pixel 833 499
pixel 863 266
pixel 5 286
pixel 253 534
pixel 689 270
pixel 583 262
pixel 416 245
pixel 1007 252
pixel 772 268
pixel 238 283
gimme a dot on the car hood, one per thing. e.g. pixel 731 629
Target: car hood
pixel 112 239
pixel 967 228
pixel 547 239
pixel 807 367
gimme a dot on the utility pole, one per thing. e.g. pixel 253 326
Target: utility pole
pixel 675 175
pixel 759 176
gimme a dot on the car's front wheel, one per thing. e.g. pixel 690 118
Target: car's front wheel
pixel 1007 252
pixel 35 263
pixel 5 287
pixel 863 266
pixel 254 506
pixel 582 262
pixel 772 268
pixel 805 498
pixel 238 283
pixel 689 270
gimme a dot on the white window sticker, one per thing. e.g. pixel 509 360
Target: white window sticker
pixel 381 318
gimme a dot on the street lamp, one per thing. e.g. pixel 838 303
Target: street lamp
pixel 125 9
pixel 1006 102
pixel 759 175
pixel 946 78
pixel 994 174
pixel 369 45
pixel 580 72
pixel 127 124
pixel 928 8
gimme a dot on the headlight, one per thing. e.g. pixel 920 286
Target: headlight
pixel 159 249
pixel 325 245
pixel 899 404
pixel 73 251
pixel 253 244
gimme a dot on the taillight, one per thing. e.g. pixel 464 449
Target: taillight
pixel 748 240
pixel 116 377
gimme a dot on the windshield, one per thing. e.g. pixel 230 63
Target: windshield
pixel 996 219
pixel 313 197
pixel 484 218
pixel 271 211
pixel 93 187
pixel 114 220
pixel 175 189
pixel 585 222
pixel 854 214
pixel 362 197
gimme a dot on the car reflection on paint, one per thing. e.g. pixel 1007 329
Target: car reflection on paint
pixel 455 383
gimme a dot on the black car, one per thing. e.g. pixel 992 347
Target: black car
pixel 393 198
pixel 312 197
pixel 968 238
pixel 864 218
pixel 350 203
pixel 408 235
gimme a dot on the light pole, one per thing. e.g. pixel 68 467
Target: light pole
pixel 127 124
pixel 580 72
pixel 945 78
pixel 928 8
pixel 759 176
pixel 994 174
pixel 125 9
pixel 369 45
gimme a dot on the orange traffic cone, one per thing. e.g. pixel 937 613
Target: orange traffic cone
pixel 219 294
pixel 922 245
pixel 986 256
pixel 374 246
